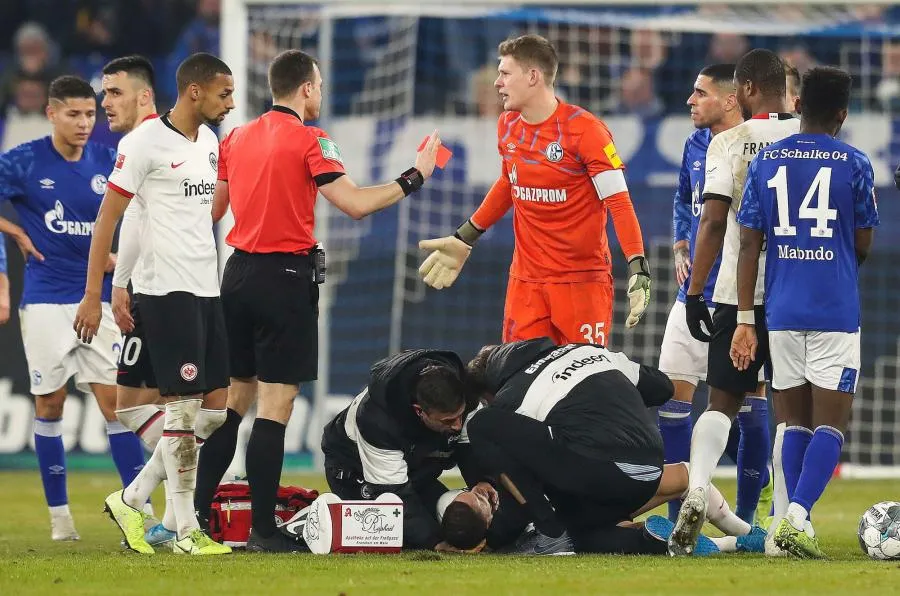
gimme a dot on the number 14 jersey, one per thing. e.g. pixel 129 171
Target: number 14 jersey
pixel 808 194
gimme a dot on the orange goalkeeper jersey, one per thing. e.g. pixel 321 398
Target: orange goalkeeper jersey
pixel 561 177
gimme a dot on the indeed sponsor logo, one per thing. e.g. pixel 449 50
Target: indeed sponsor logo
pixel 199 189
pixel 577 364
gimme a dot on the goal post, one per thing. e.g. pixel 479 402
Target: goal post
pixel 396 70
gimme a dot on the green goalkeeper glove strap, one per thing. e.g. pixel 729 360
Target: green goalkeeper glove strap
pixel 468 232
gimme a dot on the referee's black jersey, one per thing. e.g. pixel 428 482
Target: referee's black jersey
pixel 593 399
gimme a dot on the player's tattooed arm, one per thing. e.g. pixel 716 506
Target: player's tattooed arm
pixel 682 253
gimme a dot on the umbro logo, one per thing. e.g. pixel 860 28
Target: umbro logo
pixel 47 184
pixel 697 164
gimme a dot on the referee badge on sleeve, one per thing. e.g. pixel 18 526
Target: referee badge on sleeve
pixel 330 150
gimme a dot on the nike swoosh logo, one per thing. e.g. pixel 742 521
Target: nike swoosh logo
pixel 183 470
pixel 175 165
pixel 709 171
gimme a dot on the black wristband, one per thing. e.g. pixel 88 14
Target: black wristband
pixel 410 181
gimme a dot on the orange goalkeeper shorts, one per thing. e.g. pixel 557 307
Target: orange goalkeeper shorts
pixel 576 312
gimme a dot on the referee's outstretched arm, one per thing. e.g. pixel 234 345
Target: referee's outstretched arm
pixel 358 202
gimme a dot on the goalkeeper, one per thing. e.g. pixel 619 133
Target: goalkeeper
pixel 561 174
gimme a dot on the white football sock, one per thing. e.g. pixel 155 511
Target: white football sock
pixel 719 514
pixel 60 511
pixel 180 460
pixel 780 498
pixel 145 421
pixel 726 544
pixel 707 445
pixel 168 520
pixel 797 516
pixel 140 489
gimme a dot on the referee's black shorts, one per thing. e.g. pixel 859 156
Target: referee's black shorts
pixel 721 372
pixel 271 315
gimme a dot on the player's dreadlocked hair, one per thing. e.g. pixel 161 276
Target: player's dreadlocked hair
pixel 67 86
pixel 200 68
pixel 719 73
pixel 136 66
pixel 462 527
pixel 289 70
pixel 824 93
pixel 439 389
pixel 764 69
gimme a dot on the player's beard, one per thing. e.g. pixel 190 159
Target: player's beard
pixel 746 112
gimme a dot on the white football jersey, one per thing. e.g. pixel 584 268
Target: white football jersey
pixel 173 179
pixel 727 159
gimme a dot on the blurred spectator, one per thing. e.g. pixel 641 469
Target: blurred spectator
pixel 637 94
pixel 34 59
pixel 727 48
pixel 648 49
pixel 798 56
pixel 25 119
pixel 95 27
pixel 200 35
pixel 485 98
pixel 888 90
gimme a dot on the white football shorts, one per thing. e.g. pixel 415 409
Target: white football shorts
pixel 55 354
pixel 682 357
pixel 827 359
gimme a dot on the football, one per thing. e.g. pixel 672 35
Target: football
pixel 879 531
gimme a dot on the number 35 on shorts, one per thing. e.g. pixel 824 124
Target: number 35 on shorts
pixel 594 333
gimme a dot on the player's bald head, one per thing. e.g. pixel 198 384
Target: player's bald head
pixel 532 51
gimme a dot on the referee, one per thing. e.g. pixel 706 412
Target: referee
pixel 270 171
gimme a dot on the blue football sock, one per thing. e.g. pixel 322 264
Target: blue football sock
pixel 734 441
pixel 753 455
pixel 822 457
pixel 675 426
pixel 126 450
pixel 51 456
pixel 793 450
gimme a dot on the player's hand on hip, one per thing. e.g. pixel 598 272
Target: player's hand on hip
pixel 87 319
pixel 441 268
pixel 27 247
pixel 428 155
pixel 682 264
pixel 696 312
pixel 4 313
pixel 638 290
pixel 743 346
pixel 121 308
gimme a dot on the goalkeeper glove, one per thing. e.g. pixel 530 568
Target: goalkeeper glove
pixel 638 290
pixel 448 256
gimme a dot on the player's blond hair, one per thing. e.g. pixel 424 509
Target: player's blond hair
pixel 532 51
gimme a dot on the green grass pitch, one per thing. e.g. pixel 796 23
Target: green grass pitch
pixel 30 563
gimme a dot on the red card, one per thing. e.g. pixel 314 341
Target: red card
pixel 443 154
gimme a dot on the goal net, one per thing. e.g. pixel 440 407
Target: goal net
pixel 395 71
